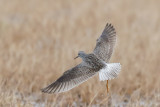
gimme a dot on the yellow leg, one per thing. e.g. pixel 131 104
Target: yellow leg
pixel 107 87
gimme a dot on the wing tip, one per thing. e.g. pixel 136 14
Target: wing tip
pixel 46 90
pixel 50 88
pixel 110 28
pixel 109 25
pixel 43 90
pixel 109 32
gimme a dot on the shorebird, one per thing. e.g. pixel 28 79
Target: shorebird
pixel 94 63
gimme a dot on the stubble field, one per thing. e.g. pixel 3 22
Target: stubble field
pixel 39 39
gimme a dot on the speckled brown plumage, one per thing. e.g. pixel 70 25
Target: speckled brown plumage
pixel 91 64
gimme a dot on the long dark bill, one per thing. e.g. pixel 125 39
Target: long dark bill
pixel 76 57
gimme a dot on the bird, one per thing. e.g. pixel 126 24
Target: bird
pixel 93 63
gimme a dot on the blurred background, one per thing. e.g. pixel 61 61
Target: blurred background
pixel 40 38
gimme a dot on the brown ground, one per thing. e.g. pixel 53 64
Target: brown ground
pixel 40 38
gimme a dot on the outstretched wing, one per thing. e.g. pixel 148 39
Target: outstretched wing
pixel 105 43
pixel 70 79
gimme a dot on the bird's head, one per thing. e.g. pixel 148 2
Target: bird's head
pixel 81 54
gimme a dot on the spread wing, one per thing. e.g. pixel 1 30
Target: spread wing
pixel 70 79
pixel 105 43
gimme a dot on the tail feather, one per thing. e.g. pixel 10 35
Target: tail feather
pixel 111 71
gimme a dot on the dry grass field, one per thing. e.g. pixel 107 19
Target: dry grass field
pixel 40 38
